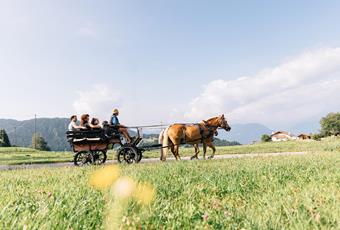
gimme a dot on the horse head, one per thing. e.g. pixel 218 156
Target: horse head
pixel 219 122
pixel 223 123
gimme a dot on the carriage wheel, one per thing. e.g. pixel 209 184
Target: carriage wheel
pixel 120 155
pixel 83 158
pixel 140 155
pixel 99 157
pixel 129 155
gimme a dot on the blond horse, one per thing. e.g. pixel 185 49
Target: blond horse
pixel 175 135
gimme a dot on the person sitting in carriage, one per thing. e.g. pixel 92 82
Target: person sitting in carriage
pixel 86 124
pixel 114 121
pixel 73 124
pixel 85 121
pixel 95 124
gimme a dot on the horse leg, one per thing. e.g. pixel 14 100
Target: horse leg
pixel 173 150
pixel 204 150
pixel 210 144
pixel 176 141
pixel 177 152
pixel 197 151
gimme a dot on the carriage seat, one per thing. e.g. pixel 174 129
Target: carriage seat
pixel 87 140
pixel 85 134
pixel 108 132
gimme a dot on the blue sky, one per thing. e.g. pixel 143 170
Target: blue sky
pixel 169 60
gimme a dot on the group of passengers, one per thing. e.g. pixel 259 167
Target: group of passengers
pixel 86 124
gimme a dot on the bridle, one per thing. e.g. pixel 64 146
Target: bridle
pixel 221 124
pixel 212 129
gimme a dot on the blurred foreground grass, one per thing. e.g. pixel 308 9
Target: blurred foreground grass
pixel 287 192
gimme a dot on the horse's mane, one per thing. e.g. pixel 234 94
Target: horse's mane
pixel 211 119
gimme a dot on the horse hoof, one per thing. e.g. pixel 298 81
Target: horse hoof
pixel 211 157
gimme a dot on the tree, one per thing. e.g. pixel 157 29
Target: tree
pixel 220 142
pixel 330 125
pixel 266 138
pixel 38 142
pixel 317 136
pixel 4 140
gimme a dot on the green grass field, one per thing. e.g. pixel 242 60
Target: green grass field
pixel 295 192
pixel 29 156
pixel 11 156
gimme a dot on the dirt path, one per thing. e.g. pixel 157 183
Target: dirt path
pixel 148 160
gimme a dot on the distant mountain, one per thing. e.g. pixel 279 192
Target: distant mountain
pixel 244 133
pixel 52 129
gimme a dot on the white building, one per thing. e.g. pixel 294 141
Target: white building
pixel 282 136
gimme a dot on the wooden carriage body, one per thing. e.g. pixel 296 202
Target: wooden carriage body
pixel 89 145
pixel 93 140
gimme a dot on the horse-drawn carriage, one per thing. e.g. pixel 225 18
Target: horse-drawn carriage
pixel 91 146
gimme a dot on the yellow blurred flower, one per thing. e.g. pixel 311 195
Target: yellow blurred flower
pixel 145 193
pixel 105 177
pixel 124 187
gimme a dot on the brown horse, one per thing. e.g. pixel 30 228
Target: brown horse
pixel 175 135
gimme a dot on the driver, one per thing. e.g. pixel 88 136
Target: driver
pixel 114 121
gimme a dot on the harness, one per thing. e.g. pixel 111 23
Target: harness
pixel 210 134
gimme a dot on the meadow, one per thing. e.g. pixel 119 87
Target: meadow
pixel 286 192
pixel 15 155
pixel 12 156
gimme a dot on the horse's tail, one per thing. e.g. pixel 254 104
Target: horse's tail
pixel 164 141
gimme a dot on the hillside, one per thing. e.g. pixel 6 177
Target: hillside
pixel 52 129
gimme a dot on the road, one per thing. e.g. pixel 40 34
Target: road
pixel 148 160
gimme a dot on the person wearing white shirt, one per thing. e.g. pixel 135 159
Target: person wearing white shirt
pixel 73 124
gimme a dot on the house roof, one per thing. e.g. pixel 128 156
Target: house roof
pixel 281 132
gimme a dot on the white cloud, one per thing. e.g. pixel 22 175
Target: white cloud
pixel 98 101
pixel 302 88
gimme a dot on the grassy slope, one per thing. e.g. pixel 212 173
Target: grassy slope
pixel 295 192
pixel 27 156
pixel 328 144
